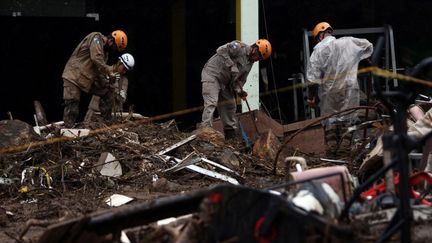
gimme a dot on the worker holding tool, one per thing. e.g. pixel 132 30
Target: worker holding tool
pixel 86 64
pixel 125 63
pixel 332 70
pixel 224 75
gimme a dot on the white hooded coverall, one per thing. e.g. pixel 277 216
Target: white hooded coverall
pixel 333 66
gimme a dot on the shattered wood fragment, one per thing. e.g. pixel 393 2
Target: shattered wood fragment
pixel 267 146
pixel 210 135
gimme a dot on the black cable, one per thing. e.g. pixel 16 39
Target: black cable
pixel 271 62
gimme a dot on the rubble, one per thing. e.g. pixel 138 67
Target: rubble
pixel 64 187
pixel 142 149
pixel 109 166
pixel 116 200
pixel 16 132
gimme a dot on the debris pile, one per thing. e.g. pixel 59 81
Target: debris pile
pixel 141 181
pixel 141 160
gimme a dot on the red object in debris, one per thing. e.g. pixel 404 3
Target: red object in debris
pixel 264 239
pixel 413 181
pixel 215 197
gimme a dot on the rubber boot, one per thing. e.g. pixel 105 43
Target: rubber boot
pixel 70 113
pixel 331 141
pixel 229 134
pixel 106 104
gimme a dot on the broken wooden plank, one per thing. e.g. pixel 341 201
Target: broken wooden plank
pixel 266 146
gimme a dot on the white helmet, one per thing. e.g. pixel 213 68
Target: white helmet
pixel 127 60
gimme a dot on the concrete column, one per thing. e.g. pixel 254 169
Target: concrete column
pixel 248 32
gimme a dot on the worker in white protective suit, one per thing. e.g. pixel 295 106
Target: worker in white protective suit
pixel 332 70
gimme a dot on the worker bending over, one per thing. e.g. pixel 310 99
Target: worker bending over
pixel 224 75
pixel 86 64
pixel 119 88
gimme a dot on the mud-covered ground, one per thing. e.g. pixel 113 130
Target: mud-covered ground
pixel 57 179
pixel 78 188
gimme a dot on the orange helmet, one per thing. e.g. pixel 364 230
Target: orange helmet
pixel 120 39
pixel 323 26
pixel 264 48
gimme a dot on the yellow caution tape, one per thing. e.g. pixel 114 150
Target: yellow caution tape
pixel 374 70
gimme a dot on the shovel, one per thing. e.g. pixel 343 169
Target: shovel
pixel 250 112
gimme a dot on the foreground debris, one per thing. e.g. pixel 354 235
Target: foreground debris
pixel 169 186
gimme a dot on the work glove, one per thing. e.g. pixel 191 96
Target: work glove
pixel 115 77
pixel 111 84
pixel 122 96
pixel 242 94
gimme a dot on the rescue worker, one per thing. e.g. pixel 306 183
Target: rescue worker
pixel 332 70
pixel 86 64
pixel 125 63
pixel 224 75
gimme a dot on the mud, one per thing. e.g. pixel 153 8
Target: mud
pixel 77 188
